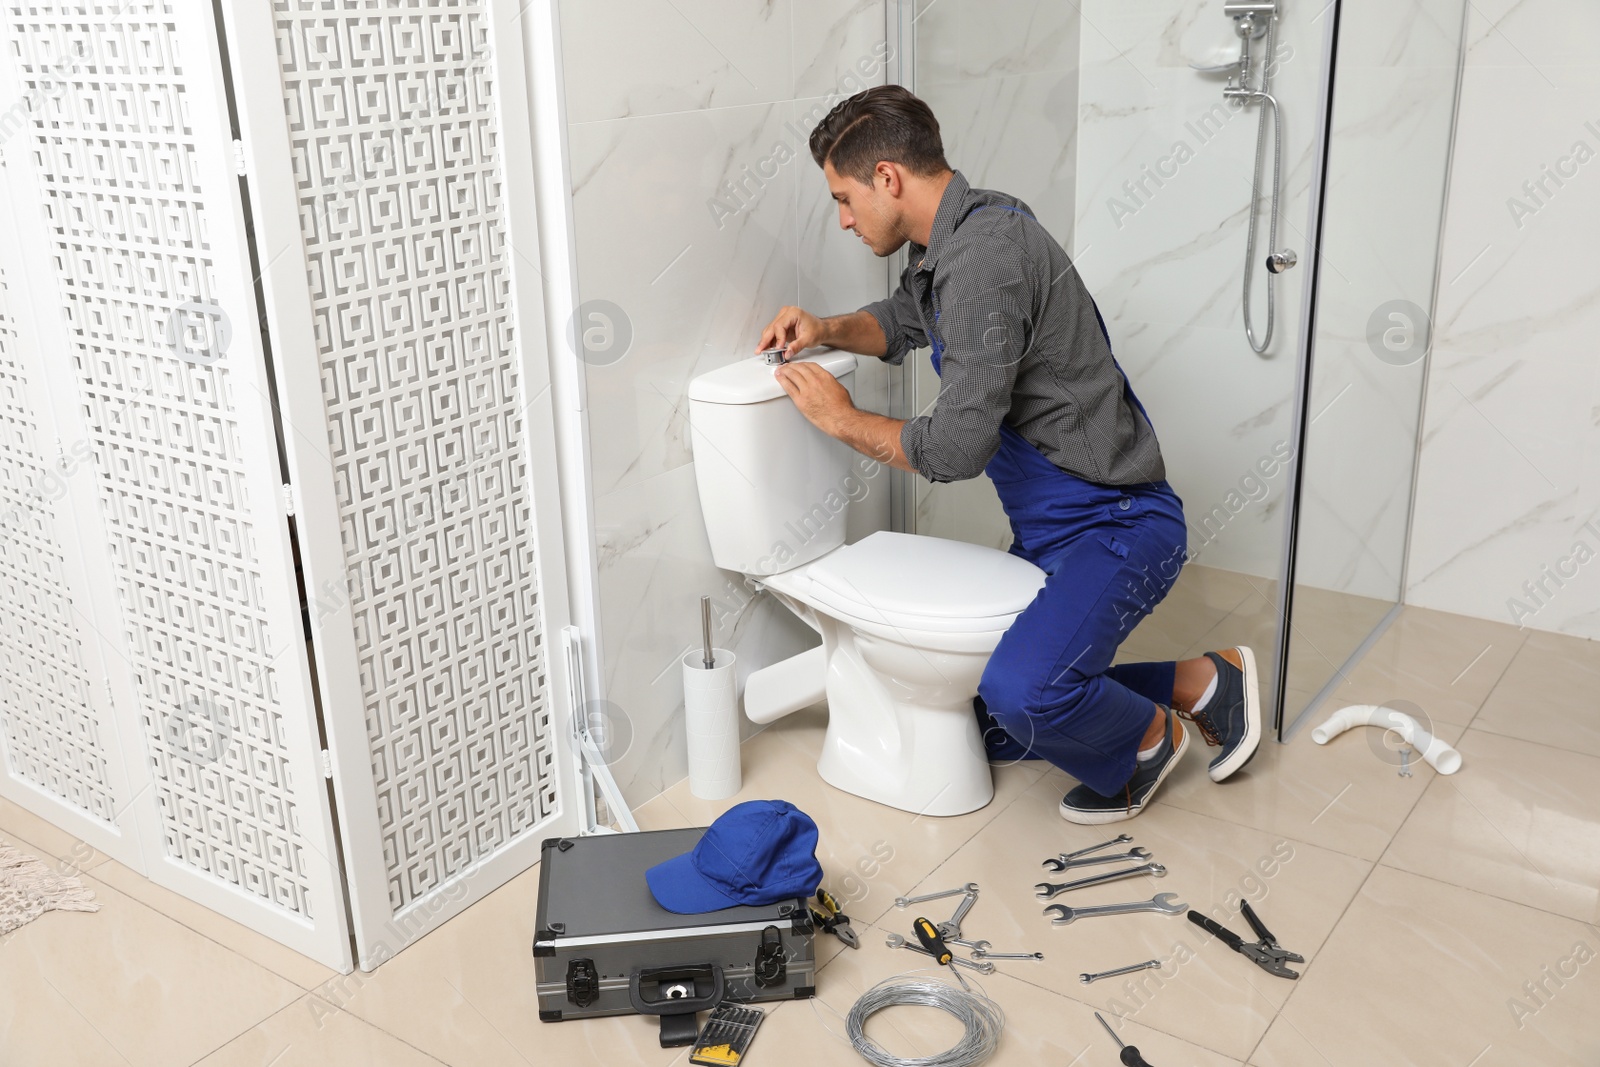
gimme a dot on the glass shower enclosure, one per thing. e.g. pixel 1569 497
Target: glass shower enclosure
pixel 1248 189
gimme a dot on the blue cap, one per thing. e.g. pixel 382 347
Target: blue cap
pixel 758 852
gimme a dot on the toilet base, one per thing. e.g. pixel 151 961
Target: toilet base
pixel 888 743
pixel 940 785
pixel 901 728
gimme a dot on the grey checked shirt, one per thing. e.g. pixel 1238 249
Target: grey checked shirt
pixel 1022 345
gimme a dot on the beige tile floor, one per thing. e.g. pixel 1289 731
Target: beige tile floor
pixel 1447 920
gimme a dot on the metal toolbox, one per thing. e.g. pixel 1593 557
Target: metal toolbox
pixel 603 946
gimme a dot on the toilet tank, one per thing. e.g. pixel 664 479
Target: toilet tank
pixel 774 490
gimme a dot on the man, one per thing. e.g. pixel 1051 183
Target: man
pixel 1030 395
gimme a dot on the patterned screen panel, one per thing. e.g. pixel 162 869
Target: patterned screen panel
pixel 396 149
pixel 116 157
pixel 52 736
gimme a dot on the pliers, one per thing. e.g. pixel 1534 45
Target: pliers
pixel 833 920
pixel 1265 953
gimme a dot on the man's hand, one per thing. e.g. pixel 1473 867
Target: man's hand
pixel 826 403
pixel 816 392
pixel 795 329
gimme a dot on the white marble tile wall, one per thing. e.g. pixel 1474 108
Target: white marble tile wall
pixel 1165 261
pixel 1507 524
pixel 1392 115
pixel 667 102
pixel 1002 77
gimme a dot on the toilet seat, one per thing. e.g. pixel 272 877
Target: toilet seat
pixel 917 589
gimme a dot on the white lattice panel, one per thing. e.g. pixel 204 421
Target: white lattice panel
pixel 52 732
pixel 143 260
pixel 396 143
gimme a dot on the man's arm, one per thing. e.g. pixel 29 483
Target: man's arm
pixel 887 328
pixel 986 330
pixel 872 435
pixel 826 403
pixel 900 321
pixel 855 331
pixel 797 329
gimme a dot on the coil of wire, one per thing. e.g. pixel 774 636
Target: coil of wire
pixel 981 1016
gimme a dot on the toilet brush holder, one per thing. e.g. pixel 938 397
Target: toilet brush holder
pixel 711 714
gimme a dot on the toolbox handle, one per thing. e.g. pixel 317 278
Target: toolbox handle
pixel 678 1005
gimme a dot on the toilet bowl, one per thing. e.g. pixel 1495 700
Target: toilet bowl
pixel 907 622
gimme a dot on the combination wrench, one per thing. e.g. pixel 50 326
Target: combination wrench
pixel 1046 890
pixel 896 941
pixel 1062 862
pixel 906 902
pixel 1120 839
pixel 985 954
pixel 1145 966
pixel 1166 903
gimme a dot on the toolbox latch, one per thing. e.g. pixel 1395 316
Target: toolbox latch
pixel 583 982
pixel 771 967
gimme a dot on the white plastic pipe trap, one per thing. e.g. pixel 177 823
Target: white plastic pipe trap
pixel 1443 758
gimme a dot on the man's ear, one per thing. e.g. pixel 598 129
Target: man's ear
pixel 887 177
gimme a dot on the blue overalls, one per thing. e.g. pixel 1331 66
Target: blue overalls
pixel 1111 554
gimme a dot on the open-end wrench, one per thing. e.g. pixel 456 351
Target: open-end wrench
pixel 1046 890
pixel 1145 966
pixel 1166 903
pixel 906 902
pixel 977 947
pixel 952 928
pixel 1062 863
pixel 896 941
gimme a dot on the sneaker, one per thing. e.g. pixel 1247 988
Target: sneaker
pixel 1231 719
pixel 1083 805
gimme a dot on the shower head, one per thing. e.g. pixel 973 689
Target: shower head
pixel 1250 17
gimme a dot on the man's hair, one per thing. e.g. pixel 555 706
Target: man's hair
pixel 885 122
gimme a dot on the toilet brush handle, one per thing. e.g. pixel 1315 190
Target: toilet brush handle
pixel 705 633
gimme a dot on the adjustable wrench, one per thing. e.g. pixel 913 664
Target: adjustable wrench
pixel 1065 861
pixel 952 928
pixel 906 902
pixel 1166 903
pixel 896 941
pixel 1046 890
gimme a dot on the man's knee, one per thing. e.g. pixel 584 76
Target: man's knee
pixel 999 692
pixel 1140 588
pixel 1013 692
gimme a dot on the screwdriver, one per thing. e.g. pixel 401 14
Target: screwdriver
pixel 928 934
pixel 1130 1053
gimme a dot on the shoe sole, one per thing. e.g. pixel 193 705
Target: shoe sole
pixel 1099 818
pixel 1252 721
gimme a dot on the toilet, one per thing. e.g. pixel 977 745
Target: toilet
pixel 907 622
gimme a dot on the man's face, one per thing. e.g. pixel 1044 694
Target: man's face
pixel 866 210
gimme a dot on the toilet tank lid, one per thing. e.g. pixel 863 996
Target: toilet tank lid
pixel 750 380
pixel 928 577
